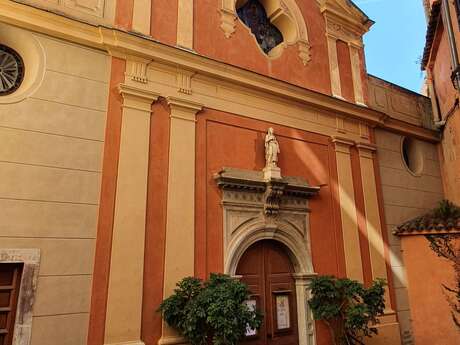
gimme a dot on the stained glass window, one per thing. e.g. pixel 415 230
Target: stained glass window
pixel 254 16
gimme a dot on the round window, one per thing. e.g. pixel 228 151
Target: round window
pixel 412 155
pixel 11 70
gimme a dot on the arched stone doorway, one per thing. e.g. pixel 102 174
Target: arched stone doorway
pixel 267 270
pixel 258 211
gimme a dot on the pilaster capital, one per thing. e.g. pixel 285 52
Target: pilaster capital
pixel 183 109
pixel 343 145
pixel 137 98
pixel 366 150
pixel 304 278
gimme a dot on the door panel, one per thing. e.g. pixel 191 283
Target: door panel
pixel 267 270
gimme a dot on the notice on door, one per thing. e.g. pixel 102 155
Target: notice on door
pixel 252 306
pixel 282 312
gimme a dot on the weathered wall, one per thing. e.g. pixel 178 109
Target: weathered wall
pixel 405 196
pixel 241 48
pixel 50 167
pixel 95 11
pixel 439 69
pixel 399 103
pixel 431 319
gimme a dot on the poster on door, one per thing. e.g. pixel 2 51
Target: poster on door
pixel 252 305
pixel 282 312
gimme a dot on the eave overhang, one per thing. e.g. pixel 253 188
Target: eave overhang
pixel 433 22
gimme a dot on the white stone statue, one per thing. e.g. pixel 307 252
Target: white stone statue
pixel 272 148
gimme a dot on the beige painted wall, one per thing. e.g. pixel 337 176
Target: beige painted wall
pixel 405 196
pixel 51 147
pixel 93 11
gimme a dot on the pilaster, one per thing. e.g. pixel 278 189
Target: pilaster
pixel 141 16
pixel 180 222
pixel 374 226
pixel 350 229
pixel 334 66
pixel 124 305
pixel 356 73
pixel 185 24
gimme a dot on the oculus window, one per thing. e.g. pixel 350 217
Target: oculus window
pixel 11 70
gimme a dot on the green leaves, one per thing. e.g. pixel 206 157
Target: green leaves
pixel 347 307
pixel 210 311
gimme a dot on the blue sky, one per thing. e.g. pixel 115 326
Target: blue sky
pixel 395 42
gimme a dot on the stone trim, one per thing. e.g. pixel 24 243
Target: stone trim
pixel 31 260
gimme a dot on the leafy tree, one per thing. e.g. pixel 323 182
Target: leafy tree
pixel 348 308
pixel 212 311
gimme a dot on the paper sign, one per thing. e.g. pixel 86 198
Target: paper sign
pixel 252 305
pixel 282 312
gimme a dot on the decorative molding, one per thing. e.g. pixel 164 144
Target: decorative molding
pixel 184 81
pixel 139 70
pixel 183 109
pixel 366 150
pixel 284 14
pixel 343 145
pixel 364 131
pixel 227 17
pixel 123 44
pixel 24 316
pixel 344 21
pixel 340 125
pixel 255 210
pixel 304 51
pixel 137 98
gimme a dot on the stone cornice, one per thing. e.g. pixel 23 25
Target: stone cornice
pixel 129 45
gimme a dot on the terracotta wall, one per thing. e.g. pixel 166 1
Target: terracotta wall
pixel 225 140
pixel 446 95
pixel 242 49
pixel 431 319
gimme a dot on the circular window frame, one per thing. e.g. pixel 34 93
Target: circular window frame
pixel 28 46
pixel 21 70
pixel 416 154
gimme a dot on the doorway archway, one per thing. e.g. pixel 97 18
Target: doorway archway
pixel 267 270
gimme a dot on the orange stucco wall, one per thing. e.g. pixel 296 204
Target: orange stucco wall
pixel 431 318
pixel 155 236
pixel 446 96
pixel 163 21
pixel 107 205
pixel 241 48
pixel 226 140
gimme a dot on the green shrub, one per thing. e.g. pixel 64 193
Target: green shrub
pixel 214 310
pixel 349 309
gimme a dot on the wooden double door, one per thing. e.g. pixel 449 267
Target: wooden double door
pixel 267 270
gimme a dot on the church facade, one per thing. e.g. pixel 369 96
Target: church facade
pixel 147 141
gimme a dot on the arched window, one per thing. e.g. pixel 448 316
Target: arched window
pixel 254 16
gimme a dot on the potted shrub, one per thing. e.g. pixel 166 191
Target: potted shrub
pixel 211 311
pixel 348 308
